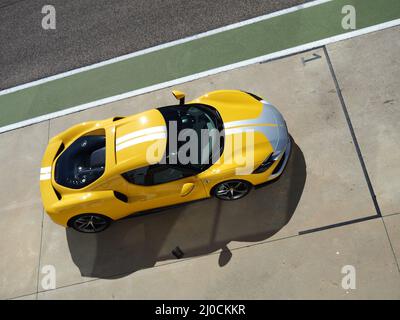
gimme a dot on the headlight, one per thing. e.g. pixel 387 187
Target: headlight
pixel 267 163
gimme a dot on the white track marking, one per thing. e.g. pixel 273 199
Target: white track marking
pixel 164 45
pixel 271 56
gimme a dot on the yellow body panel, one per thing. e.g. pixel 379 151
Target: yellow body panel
pixel 134 156
pixel 126 149
pixel 232 104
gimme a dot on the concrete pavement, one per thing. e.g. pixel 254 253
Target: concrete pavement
pixel 267 245
pixel 21 211
pixel 302 267
pixel 372 97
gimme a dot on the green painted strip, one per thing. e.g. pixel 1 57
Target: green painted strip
pixel 261 38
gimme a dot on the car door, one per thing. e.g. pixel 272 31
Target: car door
pixel 157 186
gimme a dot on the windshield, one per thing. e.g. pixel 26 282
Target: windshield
pixel 194 135
pixel 82 163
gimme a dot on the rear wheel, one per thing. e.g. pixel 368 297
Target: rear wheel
pixel 90 223
pixel 232 190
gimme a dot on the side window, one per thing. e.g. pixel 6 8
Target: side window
pixel 164 174
pixel 156 174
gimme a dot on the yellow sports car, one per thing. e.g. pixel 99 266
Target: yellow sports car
pixel 220 144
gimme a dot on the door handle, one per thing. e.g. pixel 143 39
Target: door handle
pixel 186 189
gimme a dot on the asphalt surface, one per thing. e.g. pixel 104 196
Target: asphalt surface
pixel 89 31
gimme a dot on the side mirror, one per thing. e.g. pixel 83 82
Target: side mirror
pixel 179 95
pixel 186 189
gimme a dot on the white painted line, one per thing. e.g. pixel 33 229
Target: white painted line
pixel 271 56
pixel 163 46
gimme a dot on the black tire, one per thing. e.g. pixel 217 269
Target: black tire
pixel 90 223
pixel 231 190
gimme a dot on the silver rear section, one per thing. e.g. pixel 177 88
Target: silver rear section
pixel 270 122
pixel 280 140
pixel 278 136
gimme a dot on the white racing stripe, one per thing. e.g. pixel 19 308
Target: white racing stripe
pixel 45 173
pixel 234 124
pixel 45 170
pixel 239 130
pixel 139 133
pixel 149 137
pixel 46 176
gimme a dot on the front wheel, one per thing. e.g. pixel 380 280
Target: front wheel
pixel 232 190
pixel 90 223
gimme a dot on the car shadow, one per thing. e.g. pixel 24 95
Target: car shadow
pixel 198 228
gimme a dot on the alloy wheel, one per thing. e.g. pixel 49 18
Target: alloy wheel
pixel 232 190
pixel 90 223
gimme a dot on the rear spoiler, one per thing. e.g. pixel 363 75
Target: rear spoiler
pixel 49 194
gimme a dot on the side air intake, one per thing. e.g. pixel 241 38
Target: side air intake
pixel 120 196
